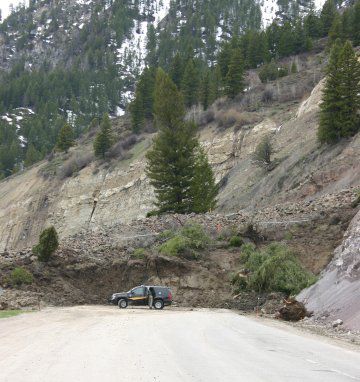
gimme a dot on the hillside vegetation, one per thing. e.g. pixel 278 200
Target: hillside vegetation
pixel 73 61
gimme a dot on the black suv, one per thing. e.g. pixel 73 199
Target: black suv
pixel 140 296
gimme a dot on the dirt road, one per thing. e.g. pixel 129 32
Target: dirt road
pixel 104 344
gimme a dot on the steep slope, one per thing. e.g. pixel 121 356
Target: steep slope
pixel 336 294
pixel 102 195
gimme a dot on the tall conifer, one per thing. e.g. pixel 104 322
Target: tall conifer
pixel 206 90
pixel 65 138
pixel 234 78
pixel 171 161
pixel 204 188
pixel 177 70
pixel 175 160
pixel 190 84
pixel 330 120
pixel 103 140
pixel 350 91
pixel 328 14
pixel 341 97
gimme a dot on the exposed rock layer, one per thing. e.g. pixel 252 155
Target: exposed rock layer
pixel 337 294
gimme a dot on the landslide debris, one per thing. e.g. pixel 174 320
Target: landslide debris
pixel 292 310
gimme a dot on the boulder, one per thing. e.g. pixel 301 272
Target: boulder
pixel 337 323
pixel 292 310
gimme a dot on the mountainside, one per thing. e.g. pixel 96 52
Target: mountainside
pixel 70 61
pixel 107 106
pixel 105 195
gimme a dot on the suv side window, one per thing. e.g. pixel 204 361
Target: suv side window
pixel 138 292
pixel 161 292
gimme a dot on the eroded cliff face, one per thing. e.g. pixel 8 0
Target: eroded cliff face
pixel 100 195
pixel 336 294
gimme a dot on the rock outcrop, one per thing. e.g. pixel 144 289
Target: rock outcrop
pixel 336 296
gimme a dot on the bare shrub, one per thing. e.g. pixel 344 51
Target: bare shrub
pixel 116 151
pixel 75 164
pixel 129 142
pixel 149 127
pixel 231 117
pixel 92 133
pixel 248 119
pixel 263 153
pixel 250 101
pixel 49 157
pixel 267 96
pixel 119 149
pixel 206 117
pixel 227 119
pixel 294 92
pixel 221 103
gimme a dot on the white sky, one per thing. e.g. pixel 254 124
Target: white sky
pixel 4 6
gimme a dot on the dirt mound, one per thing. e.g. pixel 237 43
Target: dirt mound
pixel 74 277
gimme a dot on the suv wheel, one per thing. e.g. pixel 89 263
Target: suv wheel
pixel 122 303
pixel 158 304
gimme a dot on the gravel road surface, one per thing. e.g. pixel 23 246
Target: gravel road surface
pixel 101 344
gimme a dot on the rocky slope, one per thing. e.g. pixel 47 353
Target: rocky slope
pixel 336 295
pixel 102 195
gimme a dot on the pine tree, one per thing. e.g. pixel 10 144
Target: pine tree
pixel 328 14
pixel 177 70
pixel 137 113
pixel 336 30
pixel 142 106
pixel 190 84
pixel 223 59
pixel 286 40
pixel 175 160
pixel 204 188
pixel 9 157
pixel 350 91
pixel 216 84
pixel 355 24
pixel 48 244
pixel 346 23
pixel 103 139
pixel 147 88
pixel 206 90
pixel 171 161
pixel 312 25
pixel 234 78
pixel 341 97
pixel 65 138
pixel 32 155
pixel 151 43
pixel 330 108
pixel 225 56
